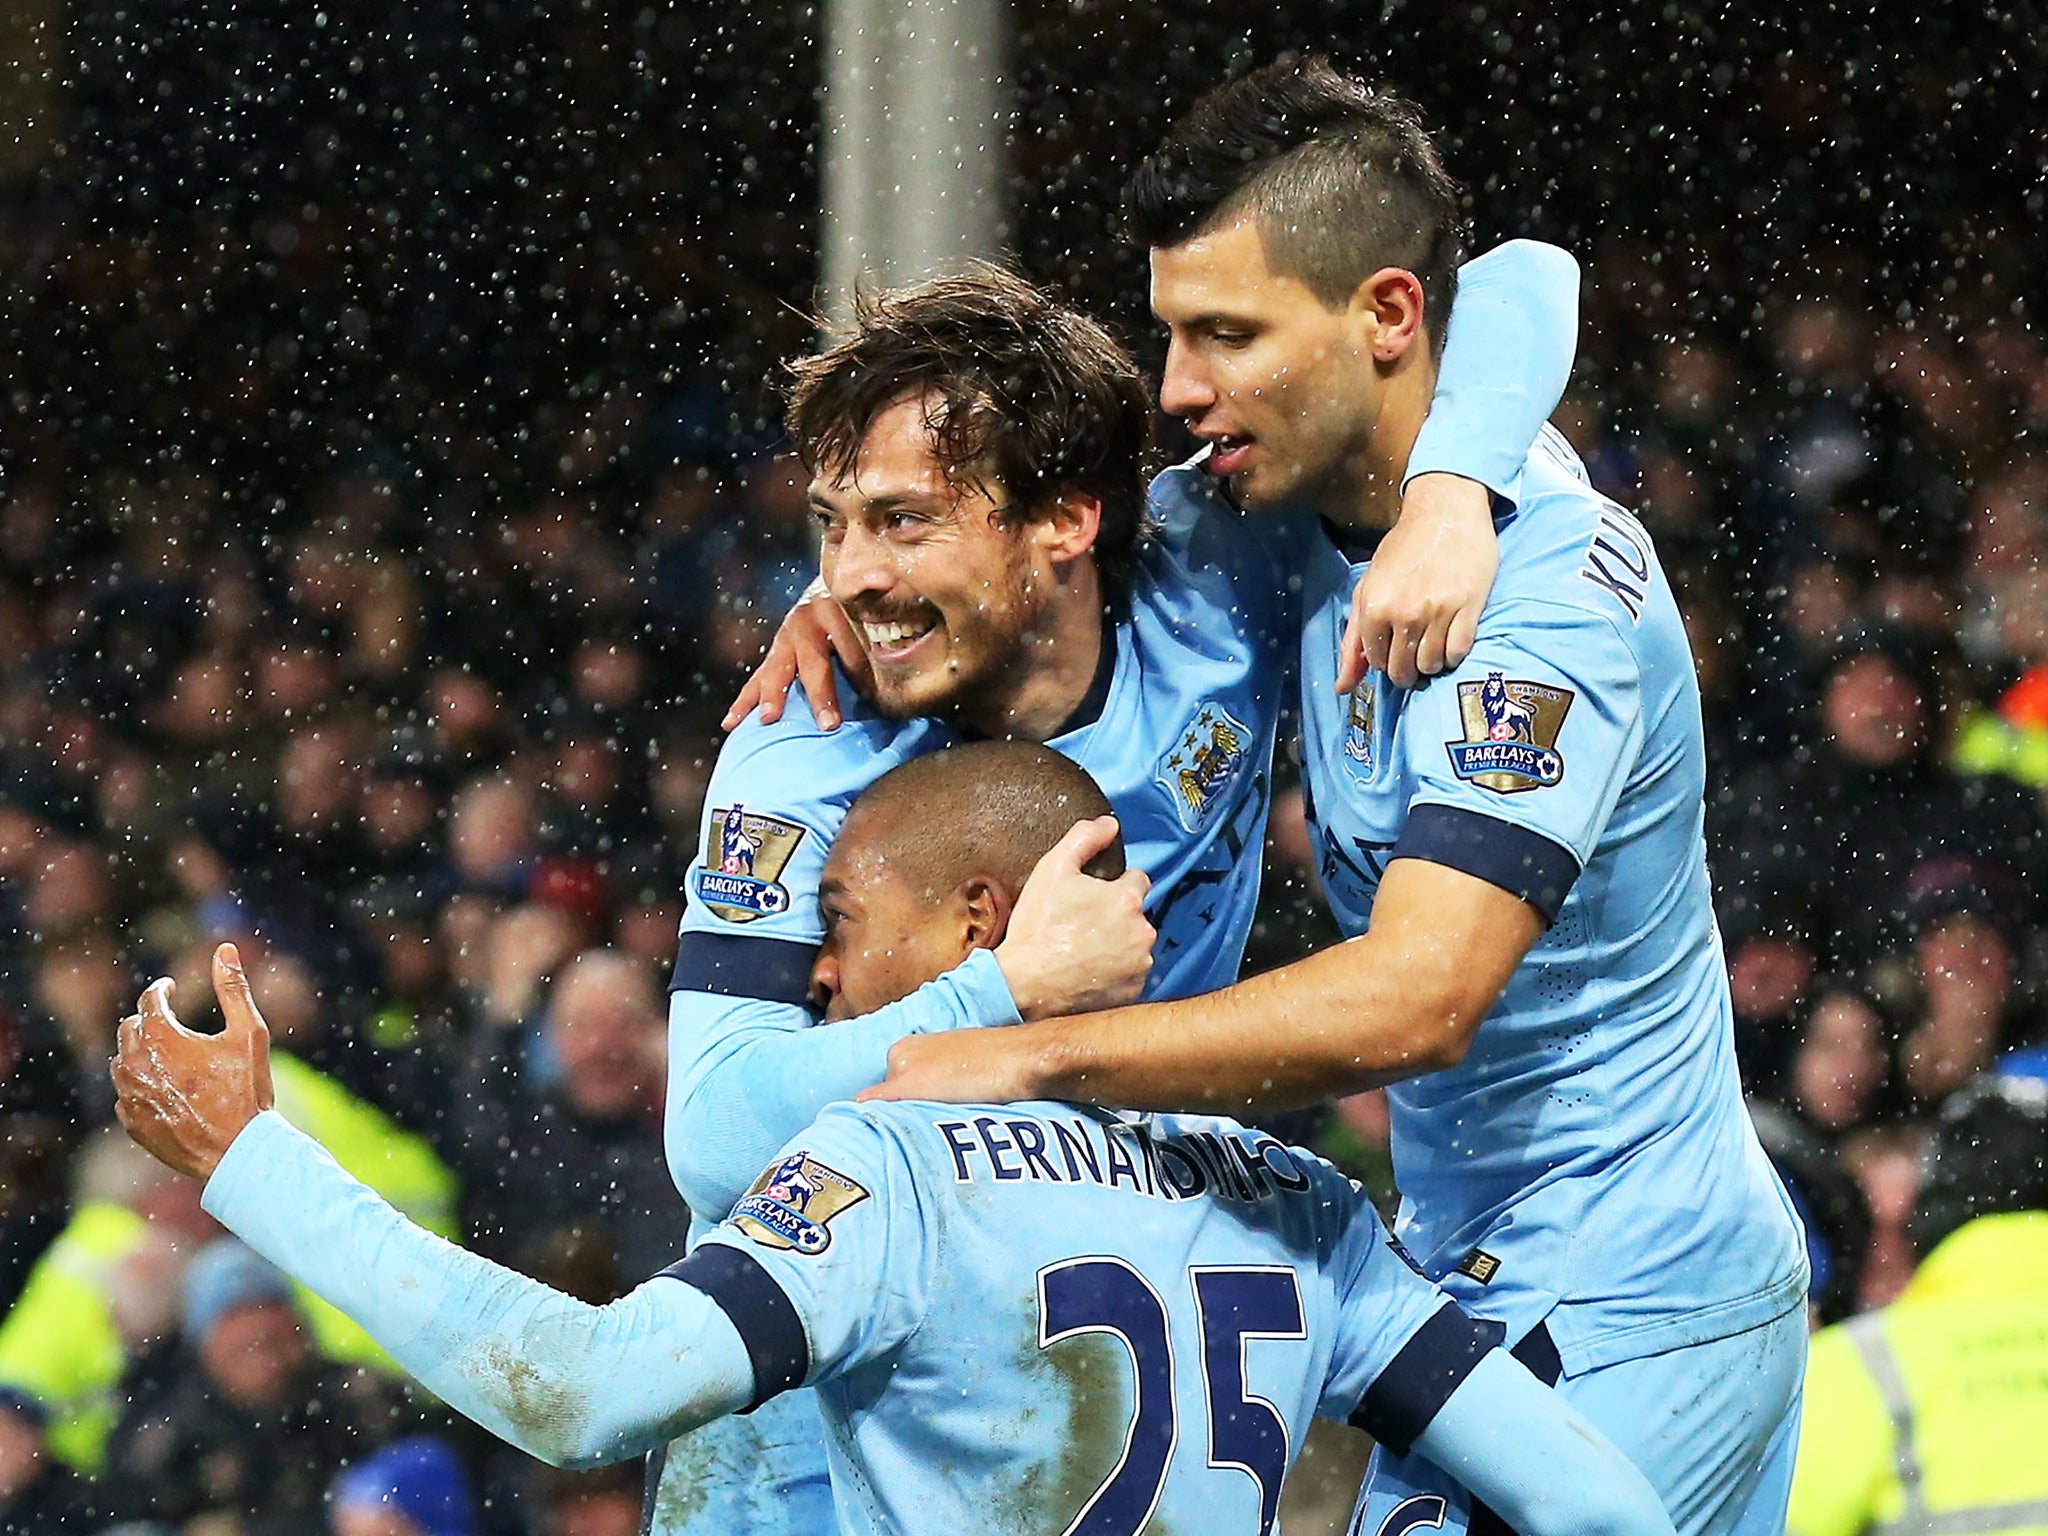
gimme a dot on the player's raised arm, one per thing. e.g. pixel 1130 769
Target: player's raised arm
pixel 1507 358
pixel 570 1383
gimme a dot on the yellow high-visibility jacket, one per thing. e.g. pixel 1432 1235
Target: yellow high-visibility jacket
pixel 59 1340
pixel 1930 1416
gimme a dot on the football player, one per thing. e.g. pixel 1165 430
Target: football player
pixel 1516 848
pixel 1032 1319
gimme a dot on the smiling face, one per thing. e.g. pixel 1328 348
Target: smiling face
pixel 945 583
pixel 1287 389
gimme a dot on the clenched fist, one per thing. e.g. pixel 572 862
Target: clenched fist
pixel 184 1097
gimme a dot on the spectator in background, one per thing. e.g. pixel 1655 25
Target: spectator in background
pixel 1931 1413
pixel 411 1487
pixel 253 1425
pixel 1842 828
pixel 42 1109
pixel 102 1295
pixel 39 1495
pixel 603 1502
pixel 561 1122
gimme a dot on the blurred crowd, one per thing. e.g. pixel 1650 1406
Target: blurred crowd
pixel 389 640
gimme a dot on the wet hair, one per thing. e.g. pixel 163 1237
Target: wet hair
pixel 987 808
pixel 1341 178
pixel 1023 391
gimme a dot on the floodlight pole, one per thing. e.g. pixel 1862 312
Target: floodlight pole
pixel 915 124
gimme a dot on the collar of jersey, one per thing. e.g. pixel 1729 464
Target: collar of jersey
pixel 1089 710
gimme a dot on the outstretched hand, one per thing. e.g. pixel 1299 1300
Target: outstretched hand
pixel 1416 610
pixel 185 1097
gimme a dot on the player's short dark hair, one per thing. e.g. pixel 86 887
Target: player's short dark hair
pixel 987 808
pixel 1025 391
pixel 1342 179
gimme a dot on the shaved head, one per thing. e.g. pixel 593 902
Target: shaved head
pixel 930 862
pixel 988 809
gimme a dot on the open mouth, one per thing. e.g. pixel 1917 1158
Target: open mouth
pixel 893 640
pixel 1228 454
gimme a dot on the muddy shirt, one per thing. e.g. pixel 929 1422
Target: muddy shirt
pixel 1048 1318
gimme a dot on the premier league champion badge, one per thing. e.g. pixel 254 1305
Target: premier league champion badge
pixel 1511 729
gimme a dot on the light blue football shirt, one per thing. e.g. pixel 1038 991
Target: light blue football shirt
pixel 1589 1162
pixel 1047 1318
pixel 1178 732
pixel 1179 735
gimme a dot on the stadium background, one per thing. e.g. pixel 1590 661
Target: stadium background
pixel 391 501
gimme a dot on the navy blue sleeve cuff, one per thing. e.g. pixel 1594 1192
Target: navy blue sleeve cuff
pixel 743 965
pixel 759 1309
pixel 1417 1382
pixel 1522 863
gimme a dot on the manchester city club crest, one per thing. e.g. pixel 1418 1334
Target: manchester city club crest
pixel 1511 731
pixel 1358 728
pixel 1203 762
pixel 744 856
pixel 792 1204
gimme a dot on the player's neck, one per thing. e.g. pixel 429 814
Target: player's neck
pixel 1063 653
pixel 1371 496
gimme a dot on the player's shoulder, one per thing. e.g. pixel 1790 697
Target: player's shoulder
pixel 796 754
pixel 1179 499
pixel 1570 553
pixel 844 1157
pixel 1191 519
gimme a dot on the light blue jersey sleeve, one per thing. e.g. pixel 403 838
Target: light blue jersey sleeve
pixel 1536 1461
pixel 1519 754
pixel 1402 1345
pixel 573 1384
pixel 827 1263
pixel 749 1064
pixel 1419 1374
pixel 1514 330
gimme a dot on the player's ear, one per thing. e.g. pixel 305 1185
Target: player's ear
pixel 1386 309
pixel 985 906
pixel 1068 525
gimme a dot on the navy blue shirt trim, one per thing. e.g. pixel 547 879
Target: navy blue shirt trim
pixel 759 1309
pixel 1522 863
pixel 1089 710
pixel 1417 1382
pixel 743 965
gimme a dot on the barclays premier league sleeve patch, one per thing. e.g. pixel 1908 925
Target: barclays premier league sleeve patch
pixel 744 857
pixel 1511 729
pixel 792 1205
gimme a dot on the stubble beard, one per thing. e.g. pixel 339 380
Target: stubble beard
pixel 980 664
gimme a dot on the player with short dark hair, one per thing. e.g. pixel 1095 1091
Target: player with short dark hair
pixel 1019 388
pixel 1034 1319
pixel 1516 851
pixel 1340 178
